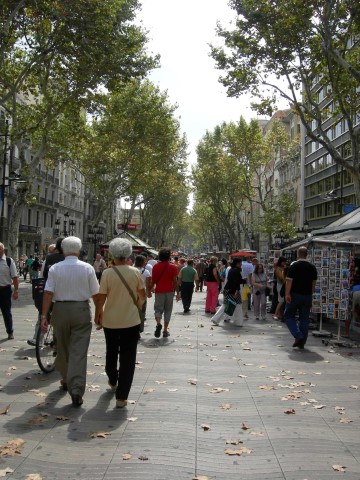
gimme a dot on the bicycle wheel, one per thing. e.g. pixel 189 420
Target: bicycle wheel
pixel 45 353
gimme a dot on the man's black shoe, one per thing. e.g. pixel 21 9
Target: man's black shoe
pixel 299 342
pixel 77 400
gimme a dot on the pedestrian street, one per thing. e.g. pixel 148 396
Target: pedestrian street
pixel 208 402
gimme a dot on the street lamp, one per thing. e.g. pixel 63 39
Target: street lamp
pixel 72 224
pixel 304 230
pixel 95 236
pixel 57 228
pixel 66 218
pixel 64 232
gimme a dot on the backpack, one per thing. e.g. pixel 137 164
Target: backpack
pixel 8 261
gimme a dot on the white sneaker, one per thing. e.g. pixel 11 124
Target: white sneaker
pixel 32 342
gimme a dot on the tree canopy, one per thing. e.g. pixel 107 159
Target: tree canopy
pixel 304 52
pixel 234 183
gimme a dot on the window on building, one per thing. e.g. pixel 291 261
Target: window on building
pixel 330 208
pixel 313 189
pixel 29 217
pixel 46 193
pixel 320 210
pixel 347 177
pixel 328 184
pixel 45 219
pixel 37 218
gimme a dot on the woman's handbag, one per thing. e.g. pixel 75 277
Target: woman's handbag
pixel 131 293
pixel 230 305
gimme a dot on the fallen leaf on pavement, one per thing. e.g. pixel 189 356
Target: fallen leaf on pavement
pixel 5 410
pixel 247 348
pixel 131 402
pixel 354 387
pixel 312 400
pixel 239 451
pixel 12 447
pixel 338 468
pixel 160 382
pixel 33 476
pixel 340 409
pixel 5 471
pixel 192 381
pixel 304 403
pixel 317 373
pixel 205 427
pixel 201 477
pixel 126 456
pixel 143 458
pixel 172 389
pixel 233 442
pixel 290 411
pixel 132 419
pixel 267 387
pixel 257 434
pixel 262 366
pixel 61 417
pixel 242 376
pixel 226 406
pixel 148 390
pixel 244 426
pixel 12 368
pixel 345 420
pixel 37 419
pixel 100 434
pixel 218 390
pixel 319 407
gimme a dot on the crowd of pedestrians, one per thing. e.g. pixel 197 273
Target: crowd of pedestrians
pixel 119 287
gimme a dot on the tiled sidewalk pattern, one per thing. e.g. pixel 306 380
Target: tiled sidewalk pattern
pixel 236 381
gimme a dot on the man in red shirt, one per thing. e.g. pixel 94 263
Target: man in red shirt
pixel 164 279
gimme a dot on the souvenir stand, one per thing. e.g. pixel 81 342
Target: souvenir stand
pixel 335 257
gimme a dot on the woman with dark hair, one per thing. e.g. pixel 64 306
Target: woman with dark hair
pixel 232 290
pixel 259 282
pixel 280 287
pixel 164 279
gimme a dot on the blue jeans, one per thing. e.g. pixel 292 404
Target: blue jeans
pixel 302 304
pixel 5 306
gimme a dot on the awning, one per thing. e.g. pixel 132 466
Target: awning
pixel 243 253
pixel 350 237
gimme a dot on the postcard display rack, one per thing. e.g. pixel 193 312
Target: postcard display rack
pixel 331 297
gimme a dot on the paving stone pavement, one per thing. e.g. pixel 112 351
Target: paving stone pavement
pixel 192 393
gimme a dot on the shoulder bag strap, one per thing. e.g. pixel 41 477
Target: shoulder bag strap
pixel 131 293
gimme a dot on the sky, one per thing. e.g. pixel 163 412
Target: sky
pixel 180 31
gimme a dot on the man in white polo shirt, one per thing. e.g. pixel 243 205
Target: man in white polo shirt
pixel 8 276
pixel 70 285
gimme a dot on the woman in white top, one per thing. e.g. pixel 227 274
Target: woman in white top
pixel 259 282
pixel 120 318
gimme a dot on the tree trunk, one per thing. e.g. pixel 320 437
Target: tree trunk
pixel 14 223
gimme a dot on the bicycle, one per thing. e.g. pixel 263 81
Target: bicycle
pixel 45 343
